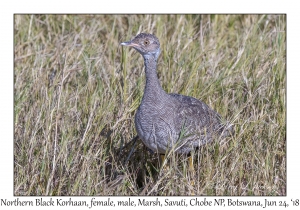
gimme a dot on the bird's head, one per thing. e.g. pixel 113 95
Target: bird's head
pixel 146 44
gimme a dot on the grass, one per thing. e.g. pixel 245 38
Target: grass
pixel 76 91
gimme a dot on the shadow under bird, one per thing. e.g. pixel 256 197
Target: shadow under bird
pixel 171 121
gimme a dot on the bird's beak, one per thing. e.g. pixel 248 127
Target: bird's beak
pixel 130 44
pixel 125 43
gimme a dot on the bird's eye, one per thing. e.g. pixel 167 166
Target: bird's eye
pixel 146 42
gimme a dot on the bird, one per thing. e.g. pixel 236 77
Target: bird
pixel 170 121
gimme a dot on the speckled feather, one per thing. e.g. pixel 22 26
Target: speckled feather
pixel 165 121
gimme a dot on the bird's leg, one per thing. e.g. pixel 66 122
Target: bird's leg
pixel 192 172
pixel 161 159
pixel 164 167
pixel 191 165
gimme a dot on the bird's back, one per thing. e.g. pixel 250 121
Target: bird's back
pixel 197 123
pixel 177 120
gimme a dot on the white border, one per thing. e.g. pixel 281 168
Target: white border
pixel 153 6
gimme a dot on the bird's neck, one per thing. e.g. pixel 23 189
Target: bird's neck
pixel 153 88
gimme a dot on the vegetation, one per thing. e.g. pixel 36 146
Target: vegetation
pixel 76 91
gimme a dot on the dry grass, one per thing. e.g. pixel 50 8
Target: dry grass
pixel 76 92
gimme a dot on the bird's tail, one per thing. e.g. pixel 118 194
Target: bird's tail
pixel 228 129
